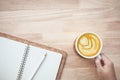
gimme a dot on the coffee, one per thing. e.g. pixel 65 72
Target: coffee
pixel 88 45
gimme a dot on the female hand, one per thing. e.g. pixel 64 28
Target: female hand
pixel 105 68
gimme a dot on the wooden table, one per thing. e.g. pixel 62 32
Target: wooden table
pixel 57 23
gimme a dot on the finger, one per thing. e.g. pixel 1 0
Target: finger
pixel 105 59
pixel 98 63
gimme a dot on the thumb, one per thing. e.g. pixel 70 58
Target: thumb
pixel 98 63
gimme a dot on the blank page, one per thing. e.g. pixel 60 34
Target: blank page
pixel 11 55
pixel 49 69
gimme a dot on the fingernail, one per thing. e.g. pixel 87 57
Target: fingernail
pixel 99 56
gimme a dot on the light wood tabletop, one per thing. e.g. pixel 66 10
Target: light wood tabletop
pixel 57 23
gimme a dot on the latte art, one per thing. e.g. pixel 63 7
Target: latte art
pixel 89 44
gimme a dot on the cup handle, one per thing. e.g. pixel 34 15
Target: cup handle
pixel 99 56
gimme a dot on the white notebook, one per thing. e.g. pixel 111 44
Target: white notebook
pixel 19 61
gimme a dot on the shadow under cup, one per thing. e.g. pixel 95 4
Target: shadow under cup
pixel 88 45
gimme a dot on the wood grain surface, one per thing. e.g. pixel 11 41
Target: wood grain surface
pixel 57 23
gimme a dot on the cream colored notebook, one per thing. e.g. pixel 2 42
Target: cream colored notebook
pixel 19 61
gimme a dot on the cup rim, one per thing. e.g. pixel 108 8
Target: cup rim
pixel 76 41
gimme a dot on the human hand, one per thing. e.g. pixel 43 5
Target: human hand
pixel 105 68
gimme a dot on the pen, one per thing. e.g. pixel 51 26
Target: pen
pixel 39 66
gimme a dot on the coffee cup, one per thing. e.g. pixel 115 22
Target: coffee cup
pixel 88 45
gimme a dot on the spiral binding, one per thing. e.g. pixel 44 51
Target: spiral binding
pixel 23 62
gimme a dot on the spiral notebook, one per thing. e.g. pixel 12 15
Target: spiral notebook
pixel 20 60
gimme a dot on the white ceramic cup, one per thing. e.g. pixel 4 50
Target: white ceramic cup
pixel 97 54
